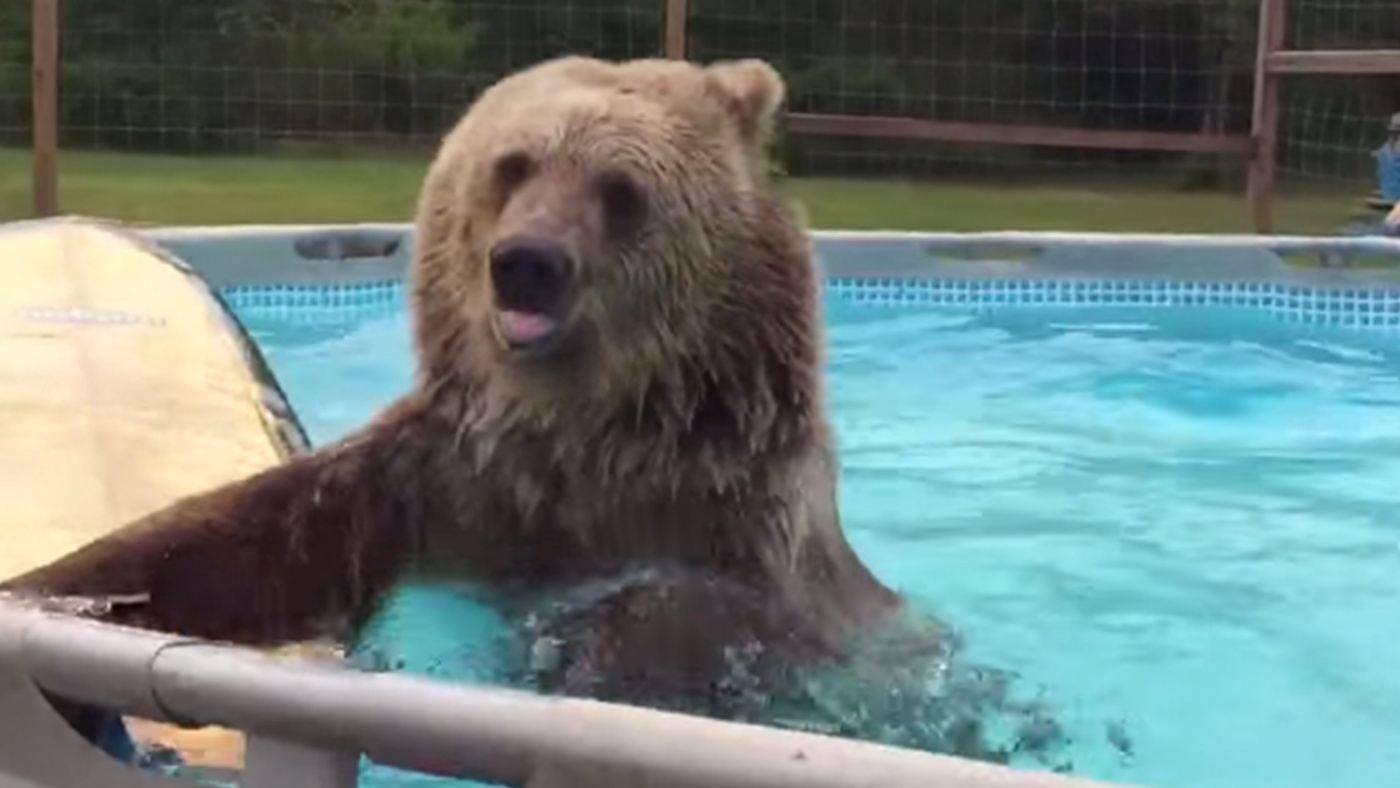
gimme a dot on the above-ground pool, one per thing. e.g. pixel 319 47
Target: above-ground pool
pixel 1168 508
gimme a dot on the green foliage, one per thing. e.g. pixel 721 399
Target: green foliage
pixel 14 77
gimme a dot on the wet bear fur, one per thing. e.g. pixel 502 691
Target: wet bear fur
pixel 619 350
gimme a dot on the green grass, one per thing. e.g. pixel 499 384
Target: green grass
pixel 177 190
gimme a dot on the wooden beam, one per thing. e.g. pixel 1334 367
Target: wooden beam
pixel 1010 134
pixel 44 185
pixel 677 26
pixel 1335 61
pixel 1263 168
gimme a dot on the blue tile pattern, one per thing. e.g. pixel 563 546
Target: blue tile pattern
pixel 316 304
pixel 1342 307
pixel 1365 308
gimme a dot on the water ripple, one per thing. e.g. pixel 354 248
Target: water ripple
pixel 1180 524
pixel 1137 518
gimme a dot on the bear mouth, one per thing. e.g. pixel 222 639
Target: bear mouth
pixel 531 333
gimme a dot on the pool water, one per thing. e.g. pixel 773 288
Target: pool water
pixel 1177 525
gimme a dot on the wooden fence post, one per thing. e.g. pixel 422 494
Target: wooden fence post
pixel 1263 165
pixel 45 99
pixel 677 19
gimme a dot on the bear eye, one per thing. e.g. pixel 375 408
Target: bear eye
pixel 623 202
pixel 513 169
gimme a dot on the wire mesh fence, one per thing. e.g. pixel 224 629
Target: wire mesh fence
pixel 1332 125
pixel 376 76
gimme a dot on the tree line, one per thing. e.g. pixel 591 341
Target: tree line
pixel 248 76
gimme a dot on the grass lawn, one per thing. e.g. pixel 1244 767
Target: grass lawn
pixel 173 190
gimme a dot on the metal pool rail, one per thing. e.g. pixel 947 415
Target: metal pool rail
pixel 308 723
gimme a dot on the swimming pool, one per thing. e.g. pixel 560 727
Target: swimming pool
pixel 1168 505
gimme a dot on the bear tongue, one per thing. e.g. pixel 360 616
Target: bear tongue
pixel 525 326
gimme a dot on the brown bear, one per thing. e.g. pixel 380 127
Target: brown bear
pixel 620 366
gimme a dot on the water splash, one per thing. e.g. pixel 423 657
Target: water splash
pixel 893 689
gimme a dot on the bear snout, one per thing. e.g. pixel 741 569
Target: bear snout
pixel 531 274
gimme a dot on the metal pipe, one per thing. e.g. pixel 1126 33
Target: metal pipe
pixel 103 665
pixel 1167 242
pixel 492 734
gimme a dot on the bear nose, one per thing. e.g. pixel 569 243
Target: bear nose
pixel 530 274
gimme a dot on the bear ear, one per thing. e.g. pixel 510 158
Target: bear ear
pixel 753 91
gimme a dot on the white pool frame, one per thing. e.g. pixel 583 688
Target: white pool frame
pixel 309 723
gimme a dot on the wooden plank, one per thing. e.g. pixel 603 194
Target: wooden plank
pixel 44 186
pixel 1335 61
pixel 1264 121
pixel 677 25
pixel 1008 134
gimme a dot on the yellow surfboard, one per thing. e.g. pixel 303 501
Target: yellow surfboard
pixel 125 384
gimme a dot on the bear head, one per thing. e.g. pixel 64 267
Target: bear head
pixel 602 236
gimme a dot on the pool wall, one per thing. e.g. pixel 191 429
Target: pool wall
pixel 1296 279
pixel 308 724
